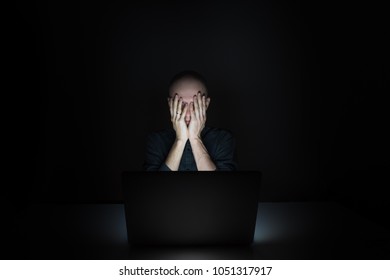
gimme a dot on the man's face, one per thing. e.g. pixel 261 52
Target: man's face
pixel 186 88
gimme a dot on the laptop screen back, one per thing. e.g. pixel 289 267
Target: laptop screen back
pixel 191 208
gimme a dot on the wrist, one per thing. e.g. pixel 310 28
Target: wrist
pixel 181 141
pixel 195 138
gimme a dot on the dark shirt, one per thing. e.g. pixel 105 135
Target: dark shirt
pixel 219 143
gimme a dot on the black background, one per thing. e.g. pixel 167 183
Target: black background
pixel 301 85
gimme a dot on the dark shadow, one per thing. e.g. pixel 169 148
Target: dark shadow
pixel 191 252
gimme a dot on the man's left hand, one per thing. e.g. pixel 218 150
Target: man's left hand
pixel 198 115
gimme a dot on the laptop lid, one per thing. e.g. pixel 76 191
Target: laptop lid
pixel 191 208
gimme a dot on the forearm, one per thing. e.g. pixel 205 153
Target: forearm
pixel 175 154
pixel 201 155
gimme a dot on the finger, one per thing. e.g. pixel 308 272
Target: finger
pixel 208 102
pixel 183 113
pixel 192 110
pixel 196 106
pixel 203 106
pixel 170 106
pixel 200 104
pixel 179 107
pixel 174 107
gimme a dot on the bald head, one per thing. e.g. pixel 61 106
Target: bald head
pixel 186 84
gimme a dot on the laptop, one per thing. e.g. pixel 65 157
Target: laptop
pixel 191 208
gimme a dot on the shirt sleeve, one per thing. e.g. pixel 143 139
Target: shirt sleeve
pixel 154 154
pixel 225 152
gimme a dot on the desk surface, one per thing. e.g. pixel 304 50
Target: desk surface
pixel 283 231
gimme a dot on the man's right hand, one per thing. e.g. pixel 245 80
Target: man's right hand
pixel 178 113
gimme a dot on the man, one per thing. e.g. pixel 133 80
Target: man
pixel 189 145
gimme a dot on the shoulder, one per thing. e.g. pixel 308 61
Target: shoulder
pixel 218 136
pixel 217 132
pixel 219 142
